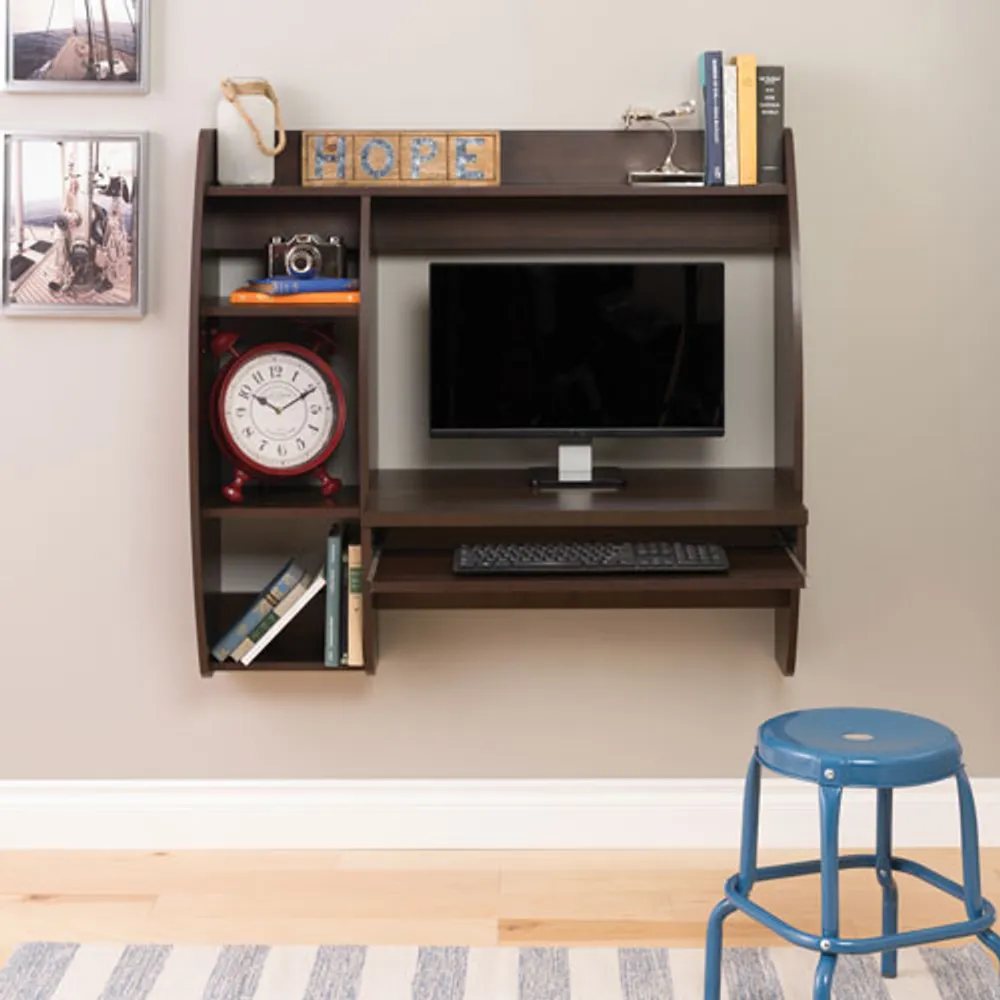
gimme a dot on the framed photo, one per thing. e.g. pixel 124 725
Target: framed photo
pixel 60 46
pixel 74 224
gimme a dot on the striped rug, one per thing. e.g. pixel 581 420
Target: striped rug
pixel 49 971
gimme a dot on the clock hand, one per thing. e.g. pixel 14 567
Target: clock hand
pixel 300 396
pixel 264 402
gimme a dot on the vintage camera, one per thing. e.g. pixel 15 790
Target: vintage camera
pixel 306 256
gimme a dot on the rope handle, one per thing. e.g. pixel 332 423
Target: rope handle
pixel 232 90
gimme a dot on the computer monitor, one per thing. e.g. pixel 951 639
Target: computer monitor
pixel 575 351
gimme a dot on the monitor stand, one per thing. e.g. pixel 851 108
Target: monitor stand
pixel 576 471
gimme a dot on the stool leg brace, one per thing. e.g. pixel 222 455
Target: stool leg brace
pixel 981 914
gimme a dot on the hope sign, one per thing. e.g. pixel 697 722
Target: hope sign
pixel 402 158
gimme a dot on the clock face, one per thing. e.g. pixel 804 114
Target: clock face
pixel 279 410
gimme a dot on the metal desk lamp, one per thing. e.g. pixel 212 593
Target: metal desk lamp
pixel 667 172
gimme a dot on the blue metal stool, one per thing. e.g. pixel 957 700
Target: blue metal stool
pixel 838 748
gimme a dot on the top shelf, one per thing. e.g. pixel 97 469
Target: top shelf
pixel 502 190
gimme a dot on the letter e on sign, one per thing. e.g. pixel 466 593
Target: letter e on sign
pixel 473 158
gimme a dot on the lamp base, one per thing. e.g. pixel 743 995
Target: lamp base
pixel 689 177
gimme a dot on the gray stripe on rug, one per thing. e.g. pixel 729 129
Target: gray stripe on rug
pixel 750 975
pixel 440 974
pixel 645 974
pixel 136 972
pixel 236 973
pixel 961 973
pixel 543 974
pixel 859 977
pixel 336 973
pixel 35 970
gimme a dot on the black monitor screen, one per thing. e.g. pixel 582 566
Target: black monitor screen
pixel 586 349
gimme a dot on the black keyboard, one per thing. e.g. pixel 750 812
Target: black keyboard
pixel 589 557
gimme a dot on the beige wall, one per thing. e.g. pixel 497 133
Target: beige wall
pixel 897 149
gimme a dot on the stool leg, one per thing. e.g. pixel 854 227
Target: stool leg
pixel 823 984
pixel 748 873
pixel 970 858
pixel 829 814
pixel 713 949
pixel 751 826
pixel 883 871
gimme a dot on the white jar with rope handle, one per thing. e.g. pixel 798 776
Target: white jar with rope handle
pixel 247 121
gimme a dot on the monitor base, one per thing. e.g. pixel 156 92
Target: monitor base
pixel 605 477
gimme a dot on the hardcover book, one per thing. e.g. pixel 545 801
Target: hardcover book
pixel 283 285
pixel 264 626
pixel 355 587
pixel 268 598
pixel 334 597
pixel 316 584
pixel 251 296
pixel 711 90
pixel 730 127
pixel 770 124
pixel 746 110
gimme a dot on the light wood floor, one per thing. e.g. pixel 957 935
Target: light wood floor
pixel 658 898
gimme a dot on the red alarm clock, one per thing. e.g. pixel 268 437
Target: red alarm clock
pixel 277 410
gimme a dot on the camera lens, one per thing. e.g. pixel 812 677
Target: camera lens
pixel 303 261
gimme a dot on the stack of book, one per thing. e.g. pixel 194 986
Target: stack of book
pixel 288 592
pixel 744 107
pixel 304 291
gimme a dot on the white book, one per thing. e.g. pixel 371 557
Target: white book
pixel 730 127
pixel 318 583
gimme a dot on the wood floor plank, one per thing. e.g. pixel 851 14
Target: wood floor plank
pixel 426 897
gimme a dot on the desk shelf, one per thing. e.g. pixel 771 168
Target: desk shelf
pixel 561 192
pixel 654 498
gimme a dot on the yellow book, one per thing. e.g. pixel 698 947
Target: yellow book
pixel 746 111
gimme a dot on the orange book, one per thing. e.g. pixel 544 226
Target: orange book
pixel 247 296
pixel 746 113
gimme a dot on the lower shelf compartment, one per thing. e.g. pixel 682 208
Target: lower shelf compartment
pixel 298 647
pixel 758 578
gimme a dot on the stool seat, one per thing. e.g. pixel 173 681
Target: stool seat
pixel 861 747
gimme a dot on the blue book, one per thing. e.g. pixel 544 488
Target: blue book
pixel 293 286
pixel 282 582
pixel 334 597
pixel 711 92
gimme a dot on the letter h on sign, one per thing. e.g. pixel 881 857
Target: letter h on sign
pixel 400 158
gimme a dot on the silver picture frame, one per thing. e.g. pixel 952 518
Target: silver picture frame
pixel 74 217
pixel 61 46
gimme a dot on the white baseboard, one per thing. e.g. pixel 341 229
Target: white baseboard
pixel 176 815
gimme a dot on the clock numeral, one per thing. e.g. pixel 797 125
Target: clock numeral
pixel 314 409
pixel 258 378
pixel 263 445
pixel 296 375
pixel 313 427
pixel 241 411
pixel 245 392
pixel 282 450
pixel 248 432
pixel 301 444
pixel 275 371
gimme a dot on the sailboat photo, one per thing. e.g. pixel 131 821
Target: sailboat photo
pixel 76 44
pixel 73 224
